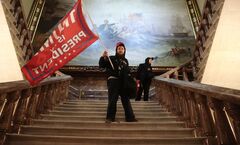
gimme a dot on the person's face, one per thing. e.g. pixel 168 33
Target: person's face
pixel 150 61
pixel 120 50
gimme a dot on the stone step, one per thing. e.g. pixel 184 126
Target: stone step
pixel 105 108
pixel 101 118
pixel 97 124
pixel 95 92
pixel 22 139
pixel 105 105
pixel 105 92
pixel 82 122
pixel 94 97
pixel 105 102
pixel 108 132
pixel 105 97
pixel 103 113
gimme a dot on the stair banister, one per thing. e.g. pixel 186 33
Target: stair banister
pixel 74 92
pixel 213 111
pixel 174 73
pixel 20 102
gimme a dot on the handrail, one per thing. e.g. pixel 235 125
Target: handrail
pixel 211 110
pixel 221 93
pixel 30 17
pixel 20 102
pixel 58 73
pixel 73 91
pixel 35 16
pixel 19 33
pixel 170 72
pixel 23 84
pixel 208 25
pixel 194 14
pixel 176 70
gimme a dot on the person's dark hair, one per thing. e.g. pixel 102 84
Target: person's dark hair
pixel 147 59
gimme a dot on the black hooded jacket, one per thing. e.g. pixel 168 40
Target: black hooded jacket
pixel 120 64
pixel 120 71
pixel 144 71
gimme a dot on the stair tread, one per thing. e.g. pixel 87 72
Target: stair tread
pixel 108 132
pixel 93 116
pixel 104 112
pixel 131 100
pixel 96 124
pixel 105 105
pixel 81 121
pixel 74 140
pixel 103 102
pixel 105 108
pixel 96 106
pixel 110 138
pixel 123 129
pixel 94 121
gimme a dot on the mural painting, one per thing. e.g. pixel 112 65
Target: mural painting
pixel 155 28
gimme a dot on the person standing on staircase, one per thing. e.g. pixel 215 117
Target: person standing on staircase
pixel 145 75
pixel 117 69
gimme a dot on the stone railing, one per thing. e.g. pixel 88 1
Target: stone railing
pixel 213 111
pixel 205 35
pixel 182 72
pixel 20 102
pixel 17 25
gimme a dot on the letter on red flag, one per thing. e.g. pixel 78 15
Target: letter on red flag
pixel 71 37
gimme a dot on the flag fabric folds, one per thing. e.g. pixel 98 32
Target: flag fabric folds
pixel 71 36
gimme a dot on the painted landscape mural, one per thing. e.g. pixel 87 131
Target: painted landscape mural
pixel 155 28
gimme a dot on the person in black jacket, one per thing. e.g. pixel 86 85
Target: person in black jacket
pixel 117 71
pixel 145 75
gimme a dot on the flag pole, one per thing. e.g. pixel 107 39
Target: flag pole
pixel 95 29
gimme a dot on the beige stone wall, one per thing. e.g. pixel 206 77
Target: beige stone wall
pixel 9 66
pixel 223 65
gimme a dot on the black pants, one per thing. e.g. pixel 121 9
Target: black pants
pixel 115 89
pixel 144 87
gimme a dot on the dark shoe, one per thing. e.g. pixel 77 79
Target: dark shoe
pixel 108 121
pixel 132 120
pixel 137 99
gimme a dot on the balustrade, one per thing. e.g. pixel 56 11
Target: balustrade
pixel 20 102
pixel 213 111
pixel 18 29
pixel 205 35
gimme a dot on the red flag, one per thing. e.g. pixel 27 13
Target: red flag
pixel 70 38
